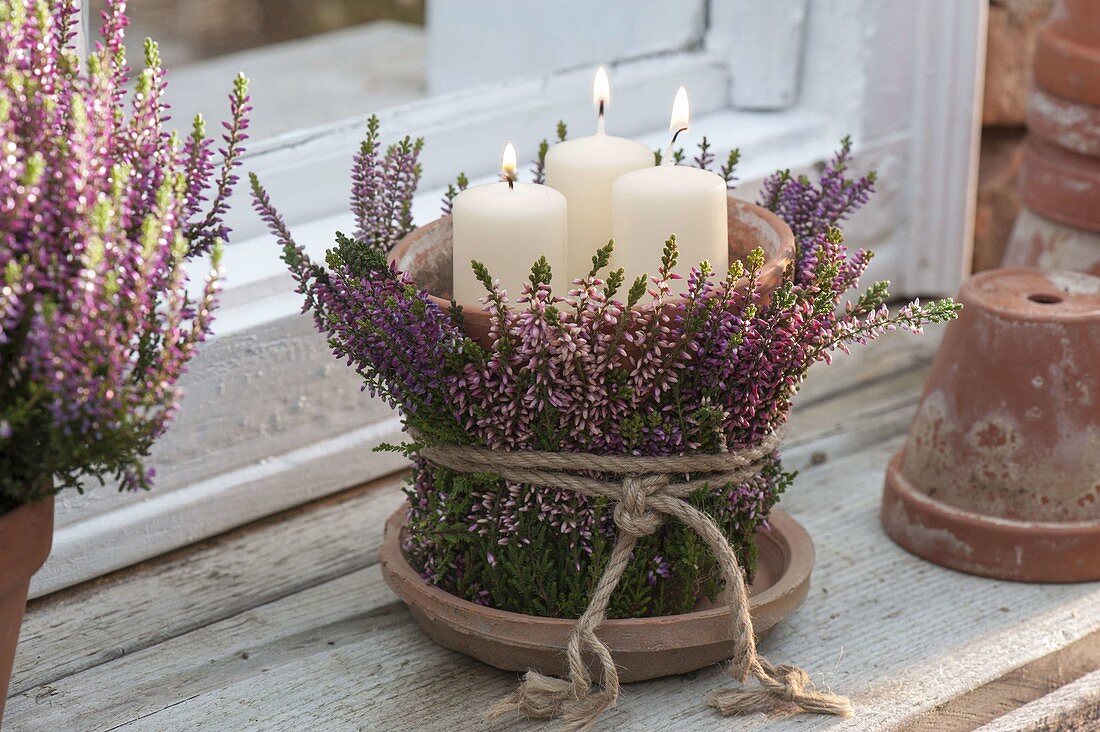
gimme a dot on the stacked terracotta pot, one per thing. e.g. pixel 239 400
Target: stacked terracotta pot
pixel 1059 224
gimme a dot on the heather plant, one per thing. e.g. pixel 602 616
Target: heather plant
pixel 614 368
pixel 101 209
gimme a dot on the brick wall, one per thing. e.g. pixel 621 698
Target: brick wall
pixel 1012 27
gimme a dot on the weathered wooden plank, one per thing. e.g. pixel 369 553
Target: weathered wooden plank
pixel 163 598
pixel 896 633
pixel 1075 706
pixel 242 647
pixel 1031 682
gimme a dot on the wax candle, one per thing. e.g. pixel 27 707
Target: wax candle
pixel 584 170
pixel 506 226
pixel 648 205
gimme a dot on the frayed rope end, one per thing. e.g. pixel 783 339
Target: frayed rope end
pixel 782 688
pixel 547 697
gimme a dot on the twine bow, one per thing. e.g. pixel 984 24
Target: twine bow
pixel 644 497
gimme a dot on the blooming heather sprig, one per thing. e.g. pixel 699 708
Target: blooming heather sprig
pixel 401 355
pixel 383 186
pixel 100 210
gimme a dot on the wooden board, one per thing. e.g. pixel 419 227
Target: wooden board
pixel 287 625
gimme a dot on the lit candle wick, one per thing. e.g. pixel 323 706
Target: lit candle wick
pixel 601 95
pixel 681 114
pixel 508 166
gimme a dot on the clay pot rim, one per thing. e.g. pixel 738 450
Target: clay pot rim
pixel 1045 542
pixel 785 250
pixel 1066 66
pixel 798 549
pixel 1055 183
pixel 974 297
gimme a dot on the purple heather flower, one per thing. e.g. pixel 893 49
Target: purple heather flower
pixel 100 209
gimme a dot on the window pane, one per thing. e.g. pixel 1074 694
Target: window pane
pixel 310 61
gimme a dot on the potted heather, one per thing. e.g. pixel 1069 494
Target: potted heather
pixel 550 432
pixel 102 210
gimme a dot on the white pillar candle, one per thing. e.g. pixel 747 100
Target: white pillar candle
pixel 584 170
pixel 649 205
pixel 507 226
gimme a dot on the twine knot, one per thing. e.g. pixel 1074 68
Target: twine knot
pixel 644 497
pixel 632 514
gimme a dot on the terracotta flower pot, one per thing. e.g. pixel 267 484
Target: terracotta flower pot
pixel 1067 52
pixel 1061 185
pixel 1039 242
pixel 643 648
pixel 1000 475
pixel 1059 224
pixel 26 535
pixel 425 255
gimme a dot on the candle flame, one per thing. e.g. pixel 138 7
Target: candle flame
pixel 508 163
pixel 681 112
pixel 601 89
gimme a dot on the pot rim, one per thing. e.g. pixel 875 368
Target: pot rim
pixel 774 267
pixel 973 297
pixel 987 545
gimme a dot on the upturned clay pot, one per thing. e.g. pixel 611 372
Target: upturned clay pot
pixel 425 254
pixel 1000 475
pixel 1067 51
pixel 26 535
pixel 643 648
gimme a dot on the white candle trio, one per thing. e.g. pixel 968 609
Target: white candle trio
pixel 597 188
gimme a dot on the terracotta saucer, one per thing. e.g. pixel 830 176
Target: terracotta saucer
pixel 644 648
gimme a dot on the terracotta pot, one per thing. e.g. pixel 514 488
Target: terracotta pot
pixel 425 255
pixel 644 648
pixel 1061 185
pixel 1069 124
pixel 26 535
pixel 1000 475
pixel 1060 174
pixel 1039 242
pixel 1067 52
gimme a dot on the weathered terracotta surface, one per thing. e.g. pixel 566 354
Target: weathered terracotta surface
pixel 1060 174
pixel 1069 124
pixel 1067 54
pixel 644 648
pixel 1061 185
pixel 425 255
pixel 1039 242
pixel 1001 471
pixel 26 535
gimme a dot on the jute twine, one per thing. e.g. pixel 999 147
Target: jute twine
pixel 644 497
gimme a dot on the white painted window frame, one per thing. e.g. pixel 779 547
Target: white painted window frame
pixel 271 420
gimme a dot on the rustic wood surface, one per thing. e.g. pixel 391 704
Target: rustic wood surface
pixel 286 624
